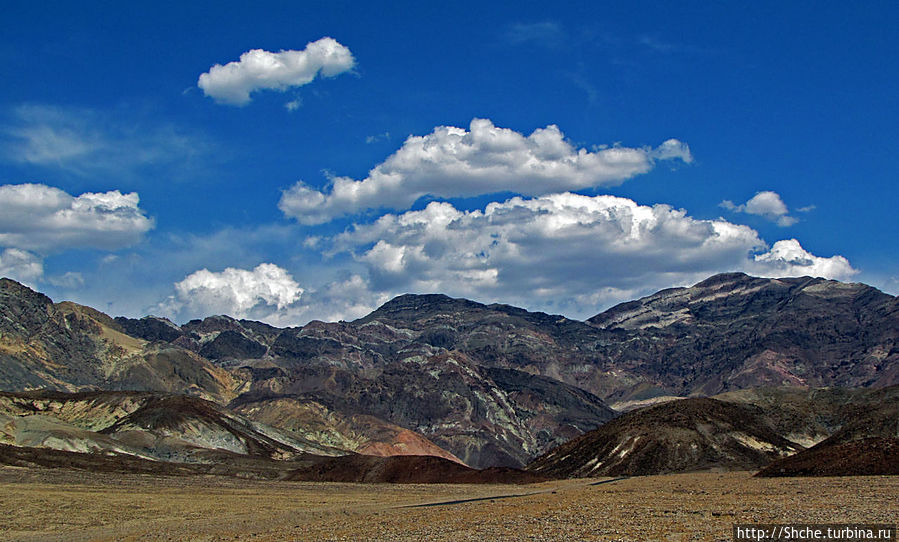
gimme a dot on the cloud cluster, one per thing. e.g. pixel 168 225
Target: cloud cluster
pixel 239 293
pixel 564 252
pixel 485 159
pixel 766 204
pixel 258 69
pixel 787 258
pixel 43 218
pixel 270 294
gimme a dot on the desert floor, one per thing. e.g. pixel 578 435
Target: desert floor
pixel 70 505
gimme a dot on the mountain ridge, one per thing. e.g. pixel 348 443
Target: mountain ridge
pixel 490 385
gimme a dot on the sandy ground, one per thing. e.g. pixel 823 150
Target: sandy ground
pixel 69 505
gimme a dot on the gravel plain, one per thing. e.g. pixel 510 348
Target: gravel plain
pixel 74 505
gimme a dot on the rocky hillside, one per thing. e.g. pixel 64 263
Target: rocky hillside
pixel 678 436
pixel 69 347
pixel 155 426
pixel 872 456
pixel 865 443
pixel 746 429
pixel 733 331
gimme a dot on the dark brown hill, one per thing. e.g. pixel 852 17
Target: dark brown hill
pixel 406 470
pixel 866 457
pixel 678 436
pixel 866 443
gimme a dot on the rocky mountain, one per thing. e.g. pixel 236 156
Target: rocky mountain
pixel 487 385
pixel 733 331
pixel 360 387
pixel 678 436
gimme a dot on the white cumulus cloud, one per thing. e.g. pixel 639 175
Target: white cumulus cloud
pixel 485 159
pixel 237 292
pixel 787 258
pixel 766 204
pixel 43 218
pixel 564 252
pixel 258 69
pixel 269 293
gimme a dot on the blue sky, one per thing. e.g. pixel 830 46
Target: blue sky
pixel 560 158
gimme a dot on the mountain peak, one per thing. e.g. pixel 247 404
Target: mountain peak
pixel 417 306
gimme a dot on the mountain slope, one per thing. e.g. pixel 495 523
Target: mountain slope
pixel 679 436
pixel 142 424
pixel 733 331
pixel 70 347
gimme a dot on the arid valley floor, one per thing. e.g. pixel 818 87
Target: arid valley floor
pixel 71 505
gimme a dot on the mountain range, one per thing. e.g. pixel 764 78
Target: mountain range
pixel 482 385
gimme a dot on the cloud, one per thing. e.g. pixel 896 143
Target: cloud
pixel 545 33
pixel 270 294
pixel 565 252
pixel 237 292
pixel 485 159
pixel 293 105
pixel 233 83
pixel 87 142
pixel 70 280
pixel 21 265
pixel 42 218
pixel 766 204
pixel 787 258
pixel 378 137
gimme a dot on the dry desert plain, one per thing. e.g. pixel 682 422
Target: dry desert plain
pixel 55 504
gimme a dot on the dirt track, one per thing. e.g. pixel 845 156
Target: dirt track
pixel 48 505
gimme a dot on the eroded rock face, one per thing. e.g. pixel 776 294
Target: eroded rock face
pixel 481 417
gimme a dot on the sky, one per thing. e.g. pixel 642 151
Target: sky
pixel 294 161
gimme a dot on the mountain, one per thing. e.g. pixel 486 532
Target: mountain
pixel 487 385
pixel 360 387
pixel 733 331
pixel 70 347
pixel 678 436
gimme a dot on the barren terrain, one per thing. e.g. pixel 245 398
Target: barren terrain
pixel 71 505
